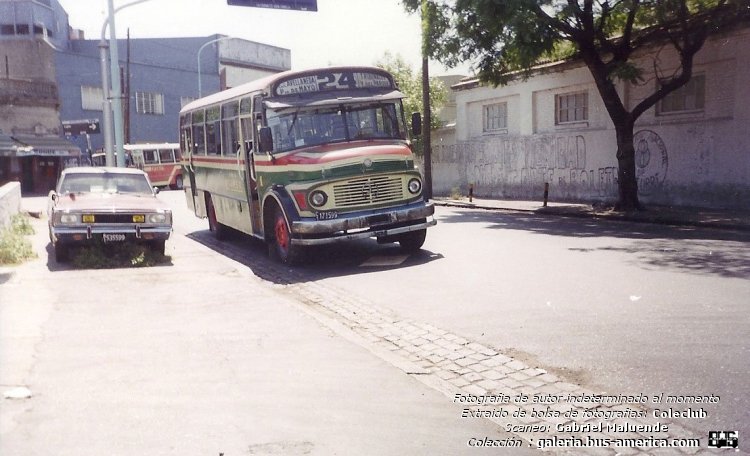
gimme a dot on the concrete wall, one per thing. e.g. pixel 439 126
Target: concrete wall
pixel 10 203
pixel 697 158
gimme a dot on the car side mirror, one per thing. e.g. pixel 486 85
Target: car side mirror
pixel 156 190
pixel 52 195
pixel 416 124
pixel 265 144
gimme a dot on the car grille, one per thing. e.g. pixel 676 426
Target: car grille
pixel 115 218
pixel 368 191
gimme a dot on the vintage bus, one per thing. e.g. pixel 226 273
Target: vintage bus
pixel 161 161
pixel 305 158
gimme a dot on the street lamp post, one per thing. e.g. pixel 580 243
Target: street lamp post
pixel 223 38
pixel 112 105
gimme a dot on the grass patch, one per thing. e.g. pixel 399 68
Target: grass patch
pixel 14 247
pixel 121 255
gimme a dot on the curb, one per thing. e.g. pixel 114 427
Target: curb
pixel 652 218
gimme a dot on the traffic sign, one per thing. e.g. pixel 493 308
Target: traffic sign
pixel 81 127
pixel 301 5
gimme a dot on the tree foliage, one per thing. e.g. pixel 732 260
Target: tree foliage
pixel 507 39
pixel 410 84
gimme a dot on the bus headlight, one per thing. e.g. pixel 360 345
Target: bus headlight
pixel 318 198
pixel 415 186
pixel 69 218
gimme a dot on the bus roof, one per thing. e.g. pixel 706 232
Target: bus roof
pixel 267 84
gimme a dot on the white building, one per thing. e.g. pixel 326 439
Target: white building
pixel 692 149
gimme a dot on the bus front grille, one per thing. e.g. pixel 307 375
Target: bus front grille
pixel 368 191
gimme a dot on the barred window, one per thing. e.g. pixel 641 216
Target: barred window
pixel 496 117
pixel 690 97
pixel 149 103
pixel 571 107
pixel 92 98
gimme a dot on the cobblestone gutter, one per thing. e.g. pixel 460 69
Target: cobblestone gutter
pixel 466 371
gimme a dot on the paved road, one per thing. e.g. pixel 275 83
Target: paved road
pixel 201 357
pixel 609 307
pixel 495 304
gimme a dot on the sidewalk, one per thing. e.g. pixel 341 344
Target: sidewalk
pixel 665 215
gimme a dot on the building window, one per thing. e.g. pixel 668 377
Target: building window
pixel 495 117
pixel 92 98
pixel 185 100
pixel 689 97
pixel 149 103
pixel 571 107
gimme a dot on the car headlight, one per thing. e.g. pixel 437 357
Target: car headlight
pixel 69 218
pixel 162 217
pixel 415 185
pixel 318 198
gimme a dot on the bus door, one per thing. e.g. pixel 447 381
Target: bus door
pixel 251 187
pixel 187 157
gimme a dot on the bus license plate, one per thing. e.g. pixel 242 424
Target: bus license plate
pixel 113 237
pixel 327 215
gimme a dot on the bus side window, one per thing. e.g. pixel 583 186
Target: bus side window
pixel 166 156
pixel 150 157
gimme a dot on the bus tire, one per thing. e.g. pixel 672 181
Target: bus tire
pixel 412 241
pixel 280 245
pixel 177 183
pixel 216 227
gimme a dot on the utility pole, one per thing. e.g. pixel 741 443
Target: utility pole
pixel 426 131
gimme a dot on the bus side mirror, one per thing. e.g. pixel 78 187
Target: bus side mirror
pixel 265 143
pixel 416 124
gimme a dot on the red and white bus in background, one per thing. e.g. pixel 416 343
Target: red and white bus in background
pixel 161 161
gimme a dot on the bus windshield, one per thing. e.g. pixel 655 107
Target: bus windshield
pixel 294 128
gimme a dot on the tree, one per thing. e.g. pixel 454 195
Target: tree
pixel 508 38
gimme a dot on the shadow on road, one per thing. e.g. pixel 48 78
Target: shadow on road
pixel 151 262
pixel 321 262
pixel 653 246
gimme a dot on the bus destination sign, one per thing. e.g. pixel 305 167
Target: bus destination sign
pixel 299 5
pixel 333 80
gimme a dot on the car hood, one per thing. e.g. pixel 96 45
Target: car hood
pixel 109 202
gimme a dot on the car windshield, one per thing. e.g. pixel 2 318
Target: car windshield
pixel 105 183
pixel 295 128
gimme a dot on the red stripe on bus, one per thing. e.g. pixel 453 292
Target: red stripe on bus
pixel 335 155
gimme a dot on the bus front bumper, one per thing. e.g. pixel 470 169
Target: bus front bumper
pixel 381 224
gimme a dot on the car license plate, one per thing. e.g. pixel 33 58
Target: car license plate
pixel 327 215
pixel 113 237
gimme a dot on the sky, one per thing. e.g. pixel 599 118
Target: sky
pixel 341 32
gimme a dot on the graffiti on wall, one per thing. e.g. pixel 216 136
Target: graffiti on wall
pixel 651 162
pixel 519 166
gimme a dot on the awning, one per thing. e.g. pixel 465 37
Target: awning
pixel 45 146
pixel 8 146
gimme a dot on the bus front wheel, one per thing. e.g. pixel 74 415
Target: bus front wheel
pixel 281 245
pixel 412 241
